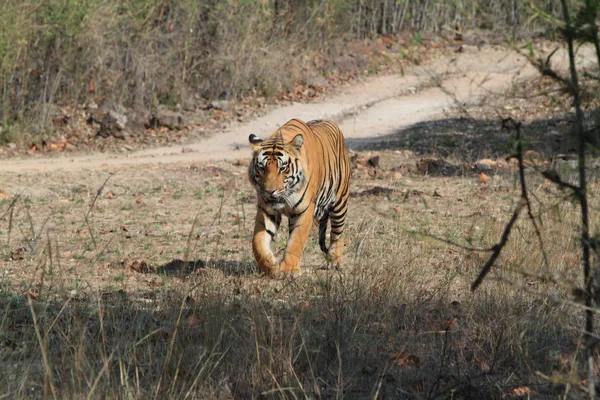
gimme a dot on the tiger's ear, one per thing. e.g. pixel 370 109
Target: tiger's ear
pixel 297 142
pixel 254 140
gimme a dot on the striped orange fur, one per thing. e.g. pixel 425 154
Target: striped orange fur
pixel 303 172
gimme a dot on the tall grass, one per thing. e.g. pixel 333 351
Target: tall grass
pixel 138 53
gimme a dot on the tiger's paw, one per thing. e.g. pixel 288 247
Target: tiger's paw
pixel 270 269
pixel 336 266
pixel 289 271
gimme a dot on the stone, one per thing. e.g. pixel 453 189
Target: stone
pixel 168 118
pixel 486 165
pixel 346 64
pixel 222 105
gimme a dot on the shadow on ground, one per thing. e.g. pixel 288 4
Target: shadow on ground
pixel 180 268
pixel 470 139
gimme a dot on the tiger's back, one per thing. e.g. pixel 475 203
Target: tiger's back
pixel 302 171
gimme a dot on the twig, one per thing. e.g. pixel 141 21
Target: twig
pixel 87 215
pixel 450 242
pixel 523 202
pixel 498 247
pixel 524 191
pixel 43 341
pixel 585 235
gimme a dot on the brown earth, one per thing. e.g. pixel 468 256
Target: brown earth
pixel 369 110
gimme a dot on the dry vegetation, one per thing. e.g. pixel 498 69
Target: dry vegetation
pixel 138 55
pixel 138 282
pixel 98 300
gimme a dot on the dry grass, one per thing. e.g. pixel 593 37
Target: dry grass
pixel 398 321
pixel 142 53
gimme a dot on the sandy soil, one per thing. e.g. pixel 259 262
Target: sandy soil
pixel 374 107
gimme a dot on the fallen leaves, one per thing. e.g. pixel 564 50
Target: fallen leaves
pixel 192 320
pixel 18 254
pixel 522 391
pixel 417 386
pixel 402 359
pixel 140 266
pixel 483 178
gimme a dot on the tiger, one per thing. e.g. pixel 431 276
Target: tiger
pixel 302 171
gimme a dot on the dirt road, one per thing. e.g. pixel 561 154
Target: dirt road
pixel 377 106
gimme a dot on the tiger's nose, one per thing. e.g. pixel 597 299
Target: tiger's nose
pixel 271 192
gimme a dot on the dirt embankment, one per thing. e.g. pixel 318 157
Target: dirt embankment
pixel 370 109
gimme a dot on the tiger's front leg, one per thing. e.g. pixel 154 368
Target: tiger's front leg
pixel 265 228
pixel 299 231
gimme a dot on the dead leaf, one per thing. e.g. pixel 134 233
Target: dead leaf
pixel 18 254
pixel 4 194
pixel 162 333
pixel 417 386
pixel 192 319
pixel 483 178
pixel 110 195
pixel 452 324
pixel 522 391
pixel 140 266
pixel 139 200
pixel 32 295
pixel 124 229
pixel 402 359
pixel 436 193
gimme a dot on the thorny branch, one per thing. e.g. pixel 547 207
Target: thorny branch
pixel 523 202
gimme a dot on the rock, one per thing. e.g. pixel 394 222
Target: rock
pixel 113 124
pixel 222 105
pixel 242 162
pixel 346 64
pixel 364 160
pixel 531 157
pixel 319 81
pixel 189 104
pixel 138 120
pixel 373 162
pixel 486 165
pixel 435 166
pixel 168 118
pixel 107 122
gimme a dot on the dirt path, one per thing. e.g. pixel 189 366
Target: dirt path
pixel 374 107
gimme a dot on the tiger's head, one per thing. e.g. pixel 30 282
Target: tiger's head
pixel 276 170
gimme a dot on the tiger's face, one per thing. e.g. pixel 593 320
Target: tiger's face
pixel 275 170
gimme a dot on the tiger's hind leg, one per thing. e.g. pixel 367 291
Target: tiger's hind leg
pixel 337 218
pixel 335 249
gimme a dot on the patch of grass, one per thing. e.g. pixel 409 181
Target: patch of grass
pixel 397 320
